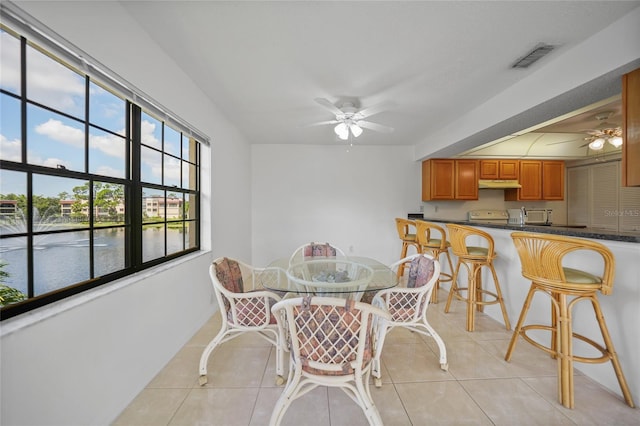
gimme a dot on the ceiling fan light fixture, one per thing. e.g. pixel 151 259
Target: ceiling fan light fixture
pixel 356 130
pixel 616 141
pixel 342 131
pixel 597 144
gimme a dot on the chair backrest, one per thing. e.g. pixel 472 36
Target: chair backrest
pixel 459 236
pixel 429 234
pixel 328 336
pixel 315 250
pixel 406 229
pixel 228 274
pixel 542 256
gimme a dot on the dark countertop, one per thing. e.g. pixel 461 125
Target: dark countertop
pixel 596 234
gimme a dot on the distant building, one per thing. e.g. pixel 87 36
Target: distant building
pixel 156 207
pixel 8 209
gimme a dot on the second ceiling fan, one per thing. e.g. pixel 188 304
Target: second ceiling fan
pixel 350 120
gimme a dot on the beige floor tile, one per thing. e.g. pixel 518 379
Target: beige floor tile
pixel 469 360
pixel 237 366
pixel 479 388
pixel 440 403
pixel 525 407
pixel 526 360
pixel 594 405
pixel 220 407
pixel 181 371
pixel 267 397
pixel 412 363
pixel 311 409
pixel 152 407
pixel 390 405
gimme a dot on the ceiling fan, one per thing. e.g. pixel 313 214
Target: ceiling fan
pixel 601 134
pixel 350 120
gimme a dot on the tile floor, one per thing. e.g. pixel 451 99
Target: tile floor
pixel 479 388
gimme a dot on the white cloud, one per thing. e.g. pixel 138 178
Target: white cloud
pixel 60 132
pixel 10 149
pixel 147 136
pixel 108 144
pixel 110 171
pixel 53 84
pixel 9 62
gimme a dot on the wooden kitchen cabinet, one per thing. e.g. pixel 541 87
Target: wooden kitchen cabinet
pixel 466 180
pixel 449 179
pixel 499 169
pixel 540 180
pixel 553 180
pixel 631 128
pixel 438 179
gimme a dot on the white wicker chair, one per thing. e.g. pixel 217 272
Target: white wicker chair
pixel 408 303
pixel 244 306
pixel 315 250
pixel 332 343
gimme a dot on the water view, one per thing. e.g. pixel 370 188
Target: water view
pixel 63 259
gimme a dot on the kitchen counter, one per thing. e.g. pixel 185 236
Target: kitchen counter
pixel 621 309
pixel 596 234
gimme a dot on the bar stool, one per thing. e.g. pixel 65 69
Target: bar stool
pixel 474 258
pixel 541 256
pixel 407 234
pixel 432 240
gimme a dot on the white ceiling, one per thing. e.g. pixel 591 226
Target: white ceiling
pixel 263 63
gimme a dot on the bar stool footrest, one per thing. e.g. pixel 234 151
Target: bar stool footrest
pixel 587 360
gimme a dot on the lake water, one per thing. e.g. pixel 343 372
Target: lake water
pixel 63 259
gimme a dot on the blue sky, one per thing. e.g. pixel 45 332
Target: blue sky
pixel 54 140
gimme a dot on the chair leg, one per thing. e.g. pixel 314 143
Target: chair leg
pixel 204 358
pixel 454 287
pixel 565 354
pixel 403 254
pixel 500 298
pixel 472 292
pixel 518 330
pixel 612 353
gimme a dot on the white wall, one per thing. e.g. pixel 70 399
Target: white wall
pixel 82 361
pixel 307 193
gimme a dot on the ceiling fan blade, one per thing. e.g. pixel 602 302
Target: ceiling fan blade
pixel 374 126
pixel 374 109
pixel 329 106
pixel 322 123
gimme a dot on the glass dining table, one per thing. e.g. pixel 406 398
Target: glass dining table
pixel 349 277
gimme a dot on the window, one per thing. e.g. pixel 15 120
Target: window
pixel 94 186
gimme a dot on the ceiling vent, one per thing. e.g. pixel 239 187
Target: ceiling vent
pixel 536 53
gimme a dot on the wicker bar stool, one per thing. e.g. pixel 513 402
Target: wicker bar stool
pixel 407 234
pixel 474 258
pixel 541 256
pixel 432 240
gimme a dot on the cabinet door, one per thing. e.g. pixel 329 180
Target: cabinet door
pixel 631 128
pixel 553 180
pixel 531 180
pixel 466 180
pixel 489 169
pixel 508 169
pixel 438 179
pixel 499 169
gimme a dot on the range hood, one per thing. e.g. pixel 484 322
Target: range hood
pixel 498 184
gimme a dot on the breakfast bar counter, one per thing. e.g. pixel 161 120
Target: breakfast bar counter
pixel 570 231
pixel 621 309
